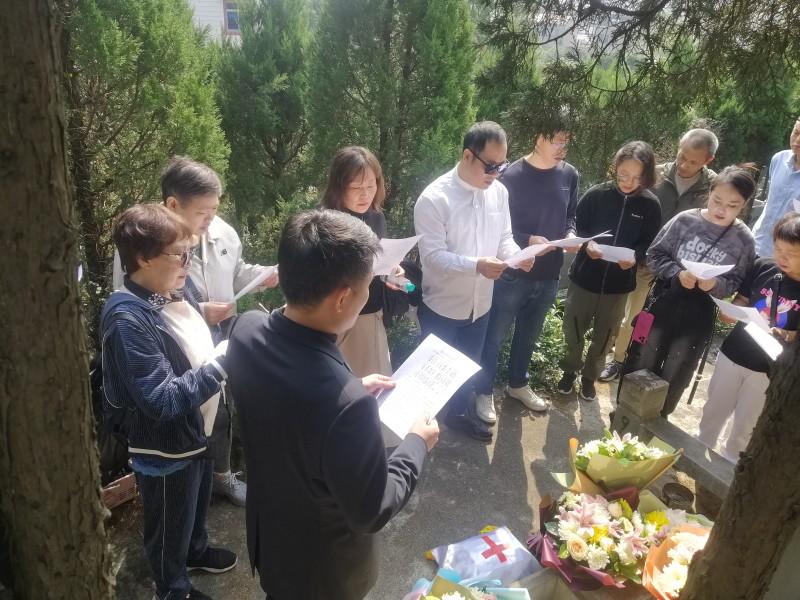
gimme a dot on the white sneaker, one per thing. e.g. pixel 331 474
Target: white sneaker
pixel 229 486
pixel 484 408
pixel 525 395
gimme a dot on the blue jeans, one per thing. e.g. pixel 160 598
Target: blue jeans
pixel 175 508
pixel 466 336
pixel 526 303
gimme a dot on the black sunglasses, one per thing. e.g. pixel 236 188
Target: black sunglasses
pixel 490 168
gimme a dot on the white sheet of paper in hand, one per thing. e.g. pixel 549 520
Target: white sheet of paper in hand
pixel 704 270
pixel 616 253
pixel 577 241
pixel 423 384
pixel 392 252
pixel 533 250
pixel 265 274
pixel 746 314
pixel 765 340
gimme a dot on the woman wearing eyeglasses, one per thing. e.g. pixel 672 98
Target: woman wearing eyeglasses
pixel 355 186
pixel 630 213
pixel 680 303
pixel 162 371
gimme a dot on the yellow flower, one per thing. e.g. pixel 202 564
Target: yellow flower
pixel 657 518
pixel 600 532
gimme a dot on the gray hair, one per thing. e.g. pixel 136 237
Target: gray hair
pixel 701 138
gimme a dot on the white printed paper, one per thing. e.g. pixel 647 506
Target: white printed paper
pixel 423 384
pixel 530 252
pixel 704 270
pixel 536 249
pixel 265 274
pixel 577 241
pixel 392 252
pixel 765 340
pixel 746 314
pixel 616 253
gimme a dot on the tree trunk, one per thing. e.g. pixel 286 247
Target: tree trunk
pixel 50 501
pixel 762 510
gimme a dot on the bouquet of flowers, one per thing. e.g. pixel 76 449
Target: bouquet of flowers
pixel 594 540
pixel 448 586
pixel 667 565
pixel 615 462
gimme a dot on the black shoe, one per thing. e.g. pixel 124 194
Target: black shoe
pixel 567 384
pixel 611 371
pixel 471 426
pixel 214 560
pixel 587 389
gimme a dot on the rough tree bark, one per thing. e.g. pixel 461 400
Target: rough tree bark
pixel 49 480
pixel 762 510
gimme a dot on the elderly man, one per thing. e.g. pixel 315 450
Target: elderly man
pixel 683 184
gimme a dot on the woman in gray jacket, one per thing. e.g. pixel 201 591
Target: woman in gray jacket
pixel 680 303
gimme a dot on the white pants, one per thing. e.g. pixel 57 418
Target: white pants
pixel 737 392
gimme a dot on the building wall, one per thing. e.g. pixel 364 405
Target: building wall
pixel 210 15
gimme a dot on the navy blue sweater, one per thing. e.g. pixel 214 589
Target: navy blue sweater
pixel 145 370
pixel 541 202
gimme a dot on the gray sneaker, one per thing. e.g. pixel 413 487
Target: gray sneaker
pixel 231 487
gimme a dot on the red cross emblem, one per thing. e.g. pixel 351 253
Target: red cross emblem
pixel 494 549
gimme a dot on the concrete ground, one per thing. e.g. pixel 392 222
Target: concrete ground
pixel 465 486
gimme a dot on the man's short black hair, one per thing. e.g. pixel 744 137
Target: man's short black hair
pixel 184 179
pixel 321 251
pixel 481 133
pixel 559 119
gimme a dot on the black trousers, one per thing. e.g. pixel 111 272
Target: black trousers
pixel 219 442
pixel 175 509
pixel 683 323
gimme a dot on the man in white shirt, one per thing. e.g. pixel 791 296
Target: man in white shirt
pixel 465 226
pixel 192 190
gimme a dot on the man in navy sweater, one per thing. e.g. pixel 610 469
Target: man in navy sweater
pixel 543 190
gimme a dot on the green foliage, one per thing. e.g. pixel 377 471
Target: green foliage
pixel 403 337
pixel 263 95
pixel 260 244
pixel 141 89
pixel 751 122
pixel 395 77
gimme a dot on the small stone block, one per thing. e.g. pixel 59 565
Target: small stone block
pixel 643 393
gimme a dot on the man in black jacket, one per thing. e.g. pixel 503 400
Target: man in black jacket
pixel 319 481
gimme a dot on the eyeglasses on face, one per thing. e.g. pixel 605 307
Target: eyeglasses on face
pixel 625 178
pixel 185 256
pixel 490 168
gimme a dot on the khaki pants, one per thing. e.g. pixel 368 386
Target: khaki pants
pixel 365 346
pixel 633 306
